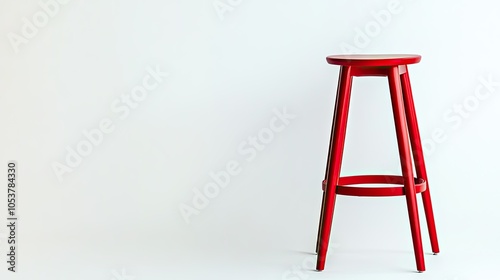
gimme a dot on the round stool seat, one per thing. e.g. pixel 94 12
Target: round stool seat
pixel 374 60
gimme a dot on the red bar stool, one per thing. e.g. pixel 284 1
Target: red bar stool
pixel 394 67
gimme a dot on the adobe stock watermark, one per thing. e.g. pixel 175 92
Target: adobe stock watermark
pixel 122 275
pixel 306 267
pixel 121 107
pixel 302 271
pixel 461 111
pixel 364 36
pixel 249 150
pixel 40 19
pixel 222 7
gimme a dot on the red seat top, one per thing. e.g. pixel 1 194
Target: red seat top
pixel 373 59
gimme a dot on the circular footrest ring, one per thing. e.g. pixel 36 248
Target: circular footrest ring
pixel 345 186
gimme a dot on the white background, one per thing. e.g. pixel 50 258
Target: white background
pixel 116 215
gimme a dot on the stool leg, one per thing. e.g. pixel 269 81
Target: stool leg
pixel 418 157
pixel 333 171
pixel 406 164
pixel 320 221
pixel 323 187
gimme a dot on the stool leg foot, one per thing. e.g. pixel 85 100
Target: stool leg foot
pixel 411 200
pixel 339 126
pixel 431 224
pixel 325 230
pixel 406 163
pixel 320 221
pixel 418 156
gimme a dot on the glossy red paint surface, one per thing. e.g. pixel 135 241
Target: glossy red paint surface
pixel 394 67
pixel 366 60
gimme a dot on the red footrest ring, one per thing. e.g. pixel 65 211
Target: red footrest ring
pixel 345 186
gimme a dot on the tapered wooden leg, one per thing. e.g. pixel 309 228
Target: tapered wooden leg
pixel 320 221
pixel 406 164
pixel 418 156
pixel 333 171
pixel 327 170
